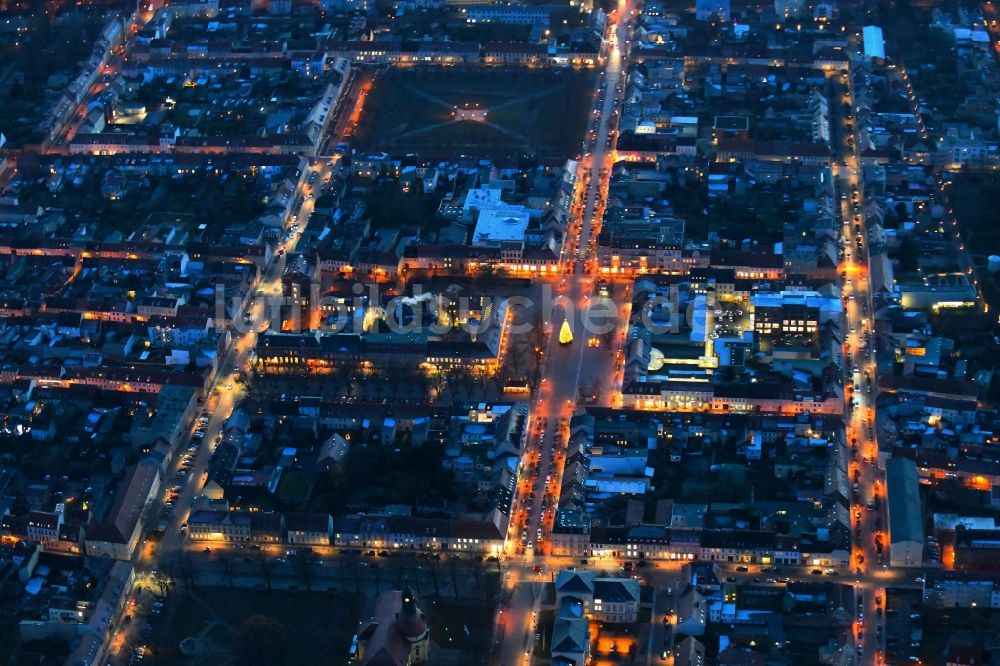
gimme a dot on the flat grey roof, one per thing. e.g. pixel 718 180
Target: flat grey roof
pixel 903 488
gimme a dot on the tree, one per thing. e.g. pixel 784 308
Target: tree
pixel 348 562
pixel 266 568
pixel 476 565
pixel 499 559
pixel 186 567
pixel 517 357
pixel 150 515
pixel 356 573
pixel 173 568
pixel 398 568
pixel 434 571
pixel 435 384
pixel 492 590
pixel 453 564
pixel 261 641
pixel 488 274
pixel 226 560
pixel 159 583
pixel 538 335
pixel 304 561
pixel 535 373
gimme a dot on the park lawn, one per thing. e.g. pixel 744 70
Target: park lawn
pixel 541 113
pixel 294 486
pixel 235 604
pixel 314 626
pixel 189 618
pixel 449 619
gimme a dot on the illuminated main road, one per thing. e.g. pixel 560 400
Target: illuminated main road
pixel 560 388
pixel 589 362
pixel 870 551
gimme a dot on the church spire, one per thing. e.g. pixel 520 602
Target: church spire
pixel 409 605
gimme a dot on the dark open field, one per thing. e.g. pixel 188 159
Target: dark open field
pixel 531 112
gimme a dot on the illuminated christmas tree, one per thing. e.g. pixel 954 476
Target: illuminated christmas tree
pixel 565 333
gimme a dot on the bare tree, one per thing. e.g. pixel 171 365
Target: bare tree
pixel 449 381
pixel 398 568
pixel 226 560
pixel 494 381
pixel 453 564
pixel 434 382
pixel 517 357
pixel 304 561
pixel 482 384
pixel 424 382
pixel 538 334
pixel 434 571
pixel 535 372
pixel 500 559
pixel 476 564
pixel 342 564
pixel 266 567
pixel 150 515
pixel 412 568
pixel 356 573
pixel 185 566
pixel 159 583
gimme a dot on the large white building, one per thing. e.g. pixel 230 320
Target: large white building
pixel 498 225
pixel 496 220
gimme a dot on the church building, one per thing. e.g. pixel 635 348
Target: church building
pixel 397 634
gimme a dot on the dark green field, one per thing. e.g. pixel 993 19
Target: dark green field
pixel 531 112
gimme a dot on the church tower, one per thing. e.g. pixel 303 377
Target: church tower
pixel 397 634
pixel 410 623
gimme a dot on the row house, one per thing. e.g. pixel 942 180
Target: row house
pixel 656 542
pixel 781 151
pixel 289 353
pixel 395 533
pixel 515 53
pixel 367 52
pixel 235 526
pixel 42 527
pixel 129 380
pixel 959 589
pixel 47 529
pixel 628 257
pixel 444 53
pixel 750 265
pixel 308 529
